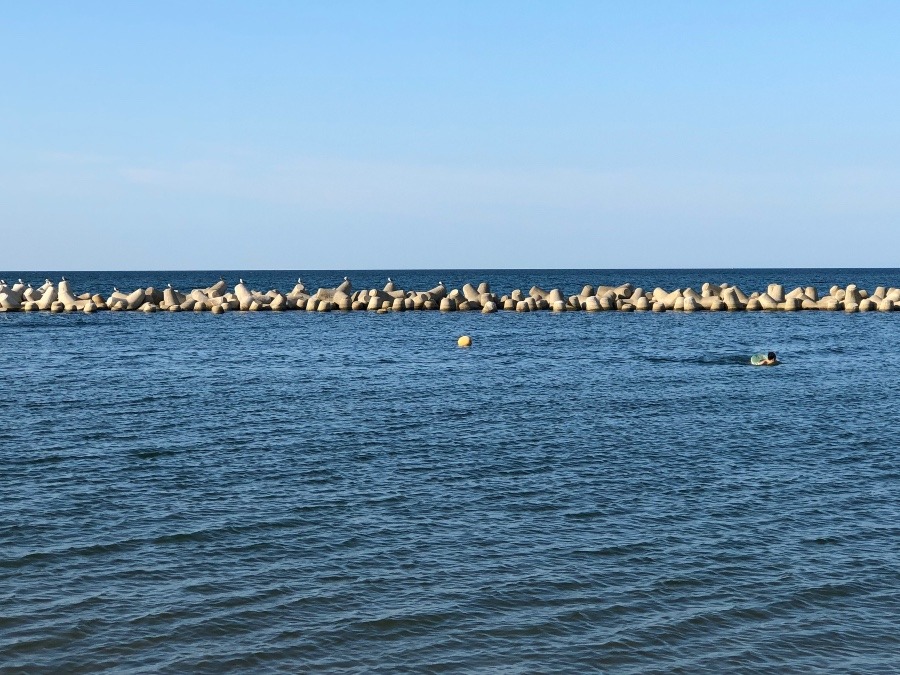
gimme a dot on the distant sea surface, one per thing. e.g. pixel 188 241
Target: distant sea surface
pixel 295 492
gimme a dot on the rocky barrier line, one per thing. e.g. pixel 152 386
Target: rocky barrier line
pixel 217 298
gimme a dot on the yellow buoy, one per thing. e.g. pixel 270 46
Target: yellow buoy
pixel 464 341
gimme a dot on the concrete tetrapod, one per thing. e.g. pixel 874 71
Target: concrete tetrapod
pixel 10 299
pixel 625 297
pixel 48 297
pixel 278 304
pixel 766 301
pixel 243 294
pixel 470 293
pixel 65 296
pixel 607 302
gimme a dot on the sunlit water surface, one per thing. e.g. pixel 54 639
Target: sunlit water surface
pixel 350 491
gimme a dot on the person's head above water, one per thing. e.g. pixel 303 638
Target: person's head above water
pixel 764 359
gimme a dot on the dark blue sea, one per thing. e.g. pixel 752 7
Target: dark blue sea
pixel 307 492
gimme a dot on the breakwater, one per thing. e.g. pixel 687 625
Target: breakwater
pixel 219 298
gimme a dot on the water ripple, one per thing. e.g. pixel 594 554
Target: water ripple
pixel 579 492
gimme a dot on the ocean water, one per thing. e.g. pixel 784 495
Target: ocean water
pixel 295 492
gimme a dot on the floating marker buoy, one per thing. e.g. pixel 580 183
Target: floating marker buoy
pixel 464 341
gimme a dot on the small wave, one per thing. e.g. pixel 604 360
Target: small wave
pixel 825 593
pixel 703 360
pixel 153 454
pixel 615 550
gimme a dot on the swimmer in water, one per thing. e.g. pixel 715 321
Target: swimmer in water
pixel 764 359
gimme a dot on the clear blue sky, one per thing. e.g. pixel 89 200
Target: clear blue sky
pixel 180 135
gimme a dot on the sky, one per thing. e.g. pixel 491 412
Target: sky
pixel 410 135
